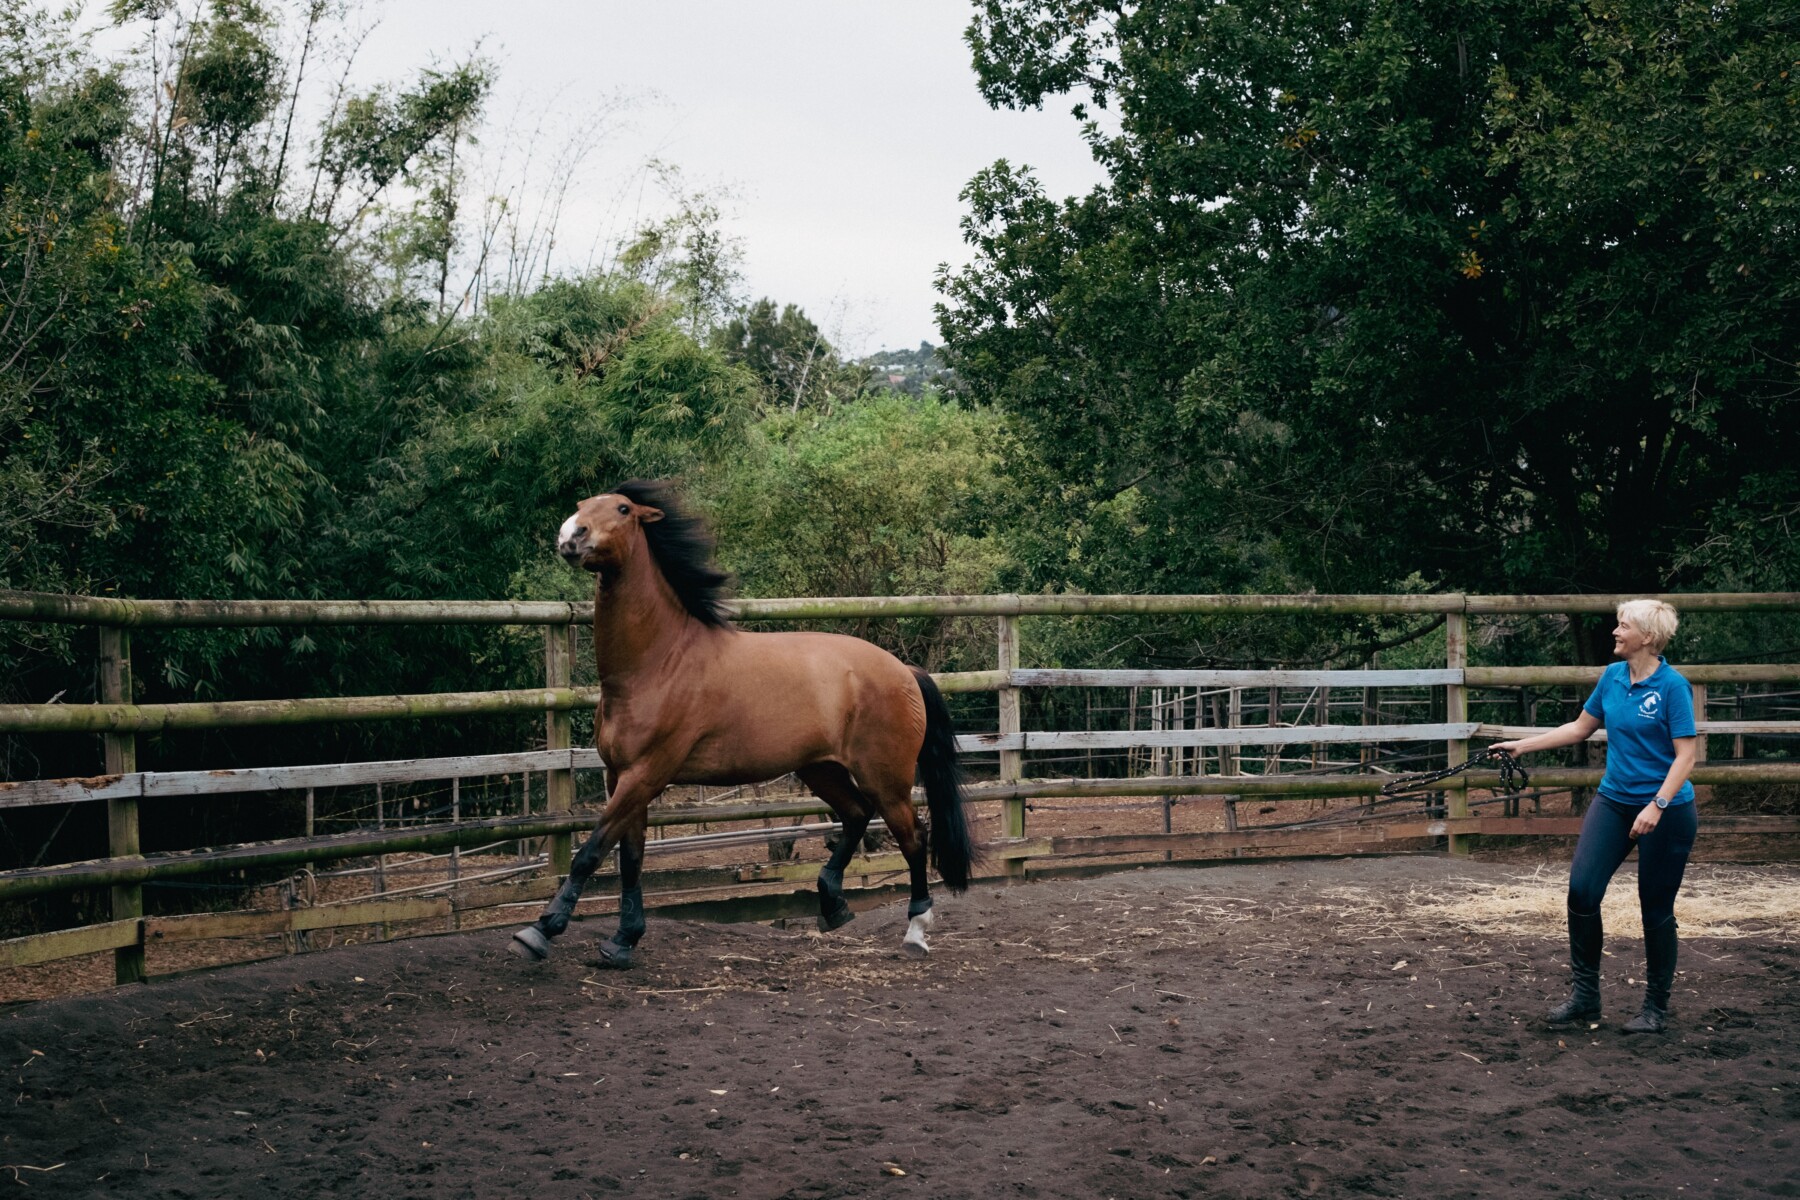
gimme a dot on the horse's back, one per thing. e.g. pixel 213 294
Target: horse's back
pixel 775 702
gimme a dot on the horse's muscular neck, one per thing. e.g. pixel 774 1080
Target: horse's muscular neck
pixel 638 619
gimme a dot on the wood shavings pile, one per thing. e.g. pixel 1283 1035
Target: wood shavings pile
pixel 1715 902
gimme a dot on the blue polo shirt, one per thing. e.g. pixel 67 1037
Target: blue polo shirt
pixel 1642 721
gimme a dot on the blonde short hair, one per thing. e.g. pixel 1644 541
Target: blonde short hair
pixel 1653 618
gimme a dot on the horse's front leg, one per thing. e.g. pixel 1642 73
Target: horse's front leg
pixel 624 811
pixel 615 951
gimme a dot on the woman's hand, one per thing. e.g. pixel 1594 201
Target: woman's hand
pixel 1512 748
pixel 1646 820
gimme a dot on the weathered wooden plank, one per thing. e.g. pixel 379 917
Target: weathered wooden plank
pixel 1250 735
pixel 1560 777
pixel 122 829
pixel 1012 727
pixel 694 814
pixel 400 908
pixel 1702 673
pixel 20 883
pixel 1748 728
pixel 1043 677
pixel 35 881
pixel 1369 832
pixel 69 943
pixel 725 839
pixel 1000 850
pixel 805 872
pixel 970 681
pixel 191 927
pixel 95 610
pixel 1721 823
pixel 679 882
pixel 1176 843
pixel 1296 786
pixel 1456 708
pixel 272 779
pixel 27 792
pixel 1374 831
pixel 1606 603
pixel 103 610
pixel 197 927
pixel 603 886
pixel 515 891
pixel 826 607
pixel 238 714
pixel 1528 826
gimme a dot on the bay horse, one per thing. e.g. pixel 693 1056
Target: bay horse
pixel 686 697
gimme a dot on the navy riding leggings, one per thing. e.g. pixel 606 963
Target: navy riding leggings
pixel 1606 840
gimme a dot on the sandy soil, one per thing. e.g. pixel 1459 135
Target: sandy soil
pixel 1234 1031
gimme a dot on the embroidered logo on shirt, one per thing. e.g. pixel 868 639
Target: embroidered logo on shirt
pixel 1649 706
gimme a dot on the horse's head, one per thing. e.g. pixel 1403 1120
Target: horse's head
pixel 604 531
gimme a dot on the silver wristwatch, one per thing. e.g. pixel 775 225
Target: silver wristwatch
pixel 1662 803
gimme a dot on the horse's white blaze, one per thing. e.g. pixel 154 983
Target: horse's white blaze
pixel 915 930
pixel 568 529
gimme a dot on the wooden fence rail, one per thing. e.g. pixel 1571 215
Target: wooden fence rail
pixel 239 714
pixel 121 787
pixel 139 869
pixel 739 884
pixel 126 613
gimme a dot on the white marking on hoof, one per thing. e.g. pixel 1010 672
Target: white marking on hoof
pixel 530 943
pixel 914 942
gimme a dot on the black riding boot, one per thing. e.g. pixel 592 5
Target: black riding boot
pixel 1583 1004
pixel 1659 977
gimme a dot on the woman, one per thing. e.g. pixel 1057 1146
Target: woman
pixel 1647 709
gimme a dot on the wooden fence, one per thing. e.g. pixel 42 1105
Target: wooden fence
pixel 121 786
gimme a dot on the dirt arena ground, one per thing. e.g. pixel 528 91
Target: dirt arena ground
pixel 1325 1028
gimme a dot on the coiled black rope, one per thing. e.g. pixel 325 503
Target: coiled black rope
pixel 1513 777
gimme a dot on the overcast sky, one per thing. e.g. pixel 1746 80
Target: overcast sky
pixel 844 128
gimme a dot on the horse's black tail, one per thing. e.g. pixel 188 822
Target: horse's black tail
pixel 953 851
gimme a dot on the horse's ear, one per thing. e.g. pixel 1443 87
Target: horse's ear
pixel 647 515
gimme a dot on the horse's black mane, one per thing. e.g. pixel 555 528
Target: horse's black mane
pixel 683 549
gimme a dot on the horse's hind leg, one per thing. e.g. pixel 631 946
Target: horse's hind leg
pixel 832 784
pixel 615 951
pixel 903 822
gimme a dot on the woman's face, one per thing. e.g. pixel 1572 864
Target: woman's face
pixel 1628 640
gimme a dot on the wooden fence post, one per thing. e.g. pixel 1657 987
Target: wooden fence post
pixel 1700 715
pixel 1012 762
pixel 381 860
pixel 1737 714
pixel 559 782
pixel 1456 711
pixel 1234 717
pixel 1273 721
pixel 122 813
pixel 1173 719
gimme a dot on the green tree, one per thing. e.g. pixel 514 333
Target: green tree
pixel 582 383
pixel 689 256
pixel 886 495
pixel 794 364
pixel 1499 294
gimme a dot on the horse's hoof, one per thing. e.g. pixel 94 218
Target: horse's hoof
pixel 915 949
pixel 614 957
pixel 530 943
pixel 837 920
